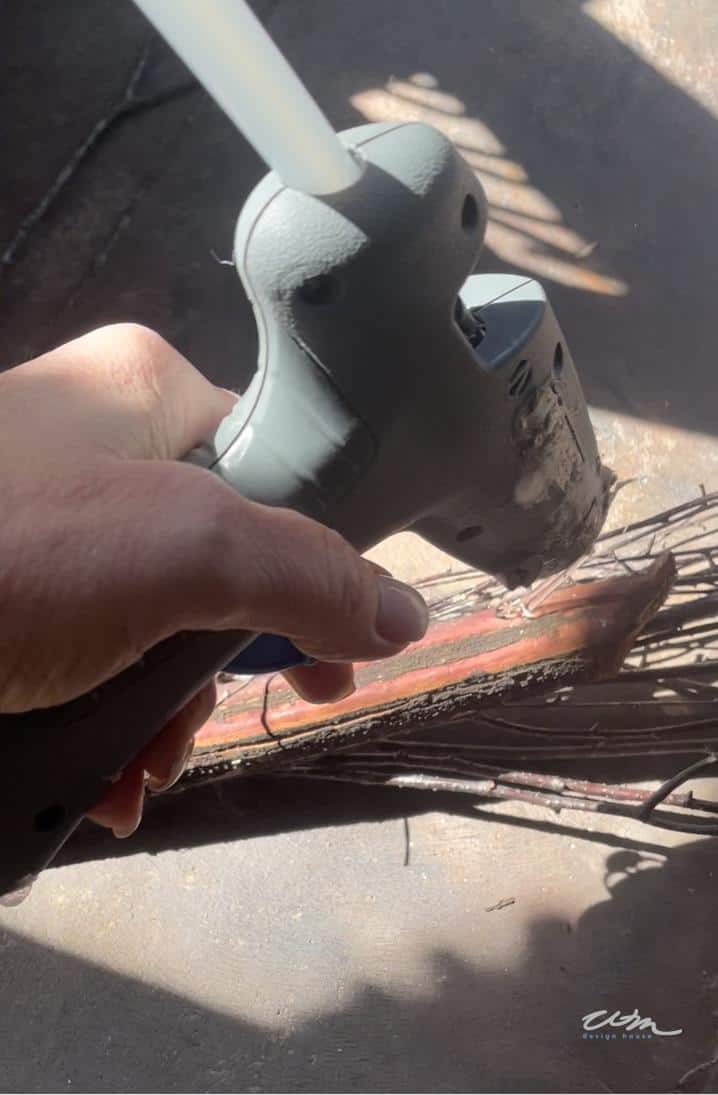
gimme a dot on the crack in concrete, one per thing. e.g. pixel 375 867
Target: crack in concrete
pixel 128 106
pixel 143 188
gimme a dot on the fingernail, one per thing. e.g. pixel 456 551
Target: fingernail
pixel 163 783
pixel 123 831
pixel 402 616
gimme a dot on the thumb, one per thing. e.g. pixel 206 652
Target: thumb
pixel 238 564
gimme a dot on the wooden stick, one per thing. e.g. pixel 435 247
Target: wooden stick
pixel 581 633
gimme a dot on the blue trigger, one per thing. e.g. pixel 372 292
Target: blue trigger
pixel 268 654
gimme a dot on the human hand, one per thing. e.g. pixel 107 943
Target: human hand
pixel 110 544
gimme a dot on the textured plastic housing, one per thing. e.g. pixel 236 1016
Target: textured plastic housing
pixel 372 409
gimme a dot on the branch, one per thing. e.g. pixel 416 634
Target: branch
pixel 460 668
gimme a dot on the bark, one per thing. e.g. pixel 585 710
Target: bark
pixel 462 667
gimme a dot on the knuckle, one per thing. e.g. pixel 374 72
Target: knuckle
pixel 153 359
pixel 149 366
pixel 345 577
pixel 143 340
pixel 194 544
pixel 143 359
pixel 218 505
pixel 213 516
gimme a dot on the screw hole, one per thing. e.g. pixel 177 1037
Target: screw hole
pixel 323 289
pixel 520 379
pixel 469 533
pixel 48 819
pixel 469 213
pixel 558 360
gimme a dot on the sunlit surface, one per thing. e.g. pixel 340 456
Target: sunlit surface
pixel 526 229
pixel 673 38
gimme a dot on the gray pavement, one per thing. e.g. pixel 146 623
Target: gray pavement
pixel 267 940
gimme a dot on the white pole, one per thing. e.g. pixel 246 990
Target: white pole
pixel 231 54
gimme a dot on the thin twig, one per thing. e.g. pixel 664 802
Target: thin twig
pixel 697 1070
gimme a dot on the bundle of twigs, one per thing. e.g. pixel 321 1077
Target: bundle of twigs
pixel 616 659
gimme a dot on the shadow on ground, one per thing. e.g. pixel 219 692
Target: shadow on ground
pixel 243 809
pixel 462 1029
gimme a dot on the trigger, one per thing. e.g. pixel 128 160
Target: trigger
pixel 268 654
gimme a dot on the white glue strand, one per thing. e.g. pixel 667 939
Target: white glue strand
pixel 231 54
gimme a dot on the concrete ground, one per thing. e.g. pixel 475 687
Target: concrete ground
pixel 266 940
